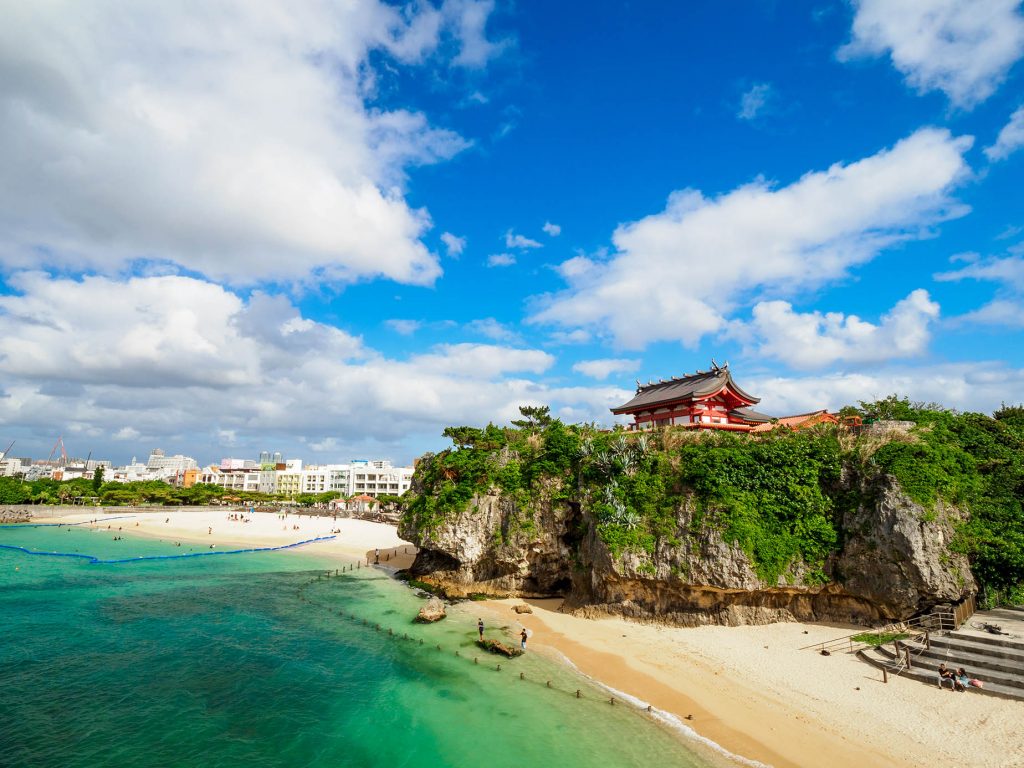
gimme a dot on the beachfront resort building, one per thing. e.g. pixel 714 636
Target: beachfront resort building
pixel 359 477
pixel 702 400
pixel 160 463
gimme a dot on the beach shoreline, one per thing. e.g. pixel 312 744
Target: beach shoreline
pixel 749 689
pixel 207 526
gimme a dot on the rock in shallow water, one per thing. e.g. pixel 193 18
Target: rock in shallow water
pixel 432 610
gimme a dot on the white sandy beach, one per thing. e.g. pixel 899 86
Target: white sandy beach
pixel 747 688
pixel 264 529
pixel 752 691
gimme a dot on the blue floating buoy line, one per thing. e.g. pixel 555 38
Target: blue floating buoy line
pixel 66 525
pixel 93 560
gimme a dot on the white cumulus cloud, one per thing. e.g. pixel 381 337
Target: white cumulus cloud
pixel 961 48
pixel 231 139
pixel 453 244
pixel 1010 139
pixel 495 330
pixel 501 260
pixel 404 327
pixel 979 386
pixel 512 240
pixel 1008 270
pixel 817 339
pixel 189 364
pixel 605 367
pixel 679 274
pixel 1003 313
pixel 552 230
pixel 754 100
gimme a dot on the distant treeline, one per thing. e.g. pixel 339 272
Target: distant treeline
pixel 14 490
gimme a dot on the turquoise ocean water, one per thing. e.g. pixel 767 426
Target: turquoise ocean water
pixel 252 660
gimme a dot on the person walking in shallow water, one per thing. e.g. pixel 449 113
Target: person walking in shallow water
pixel 522 638
pixel 480 627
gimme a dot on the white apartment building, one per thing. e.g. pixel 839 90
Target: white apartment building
pixel 243 479
pixel 9 467
pixel 158 467
pixel 375 478
pixel 372 478
pixel 161 464
pixel 130 473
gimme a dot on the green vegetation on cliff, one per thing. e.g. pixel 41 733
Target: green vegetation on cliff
pixel 780 496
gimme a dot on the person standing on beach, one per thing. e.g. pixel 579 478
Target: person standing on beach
pixel 480 627
pixel 523 635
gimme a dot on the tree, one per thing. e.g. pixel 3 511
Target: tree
pixel 388 501
pixel 534 417
pixel 463 437
pixel 1011 415
pixel 97 479
pixel 14 491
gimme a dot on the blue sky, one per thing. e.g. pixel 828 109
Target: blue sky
pixel 333 229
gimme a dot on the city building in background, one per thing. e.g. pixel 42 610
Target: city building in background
pixel 270 474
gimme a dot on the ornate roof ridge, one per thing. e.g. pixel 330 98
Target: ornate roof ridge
pixel 715 370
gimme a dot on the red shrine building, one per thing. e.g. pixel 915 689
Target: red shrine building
pixel 702 400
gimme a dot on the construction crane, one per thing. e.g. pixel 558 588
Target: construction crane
pixel 7 450
pixel 63 454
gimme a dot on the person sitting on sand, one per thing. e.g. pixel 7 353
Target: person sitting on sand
pixel 946 674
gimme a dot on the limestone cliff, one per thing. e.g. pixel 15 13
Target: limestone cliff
pixel 892 561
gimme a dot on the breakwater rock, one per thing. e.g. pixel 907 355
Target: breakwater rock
pixel 11 516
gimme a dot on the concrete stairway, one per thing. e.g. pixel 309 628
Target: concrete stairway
pixel 995 659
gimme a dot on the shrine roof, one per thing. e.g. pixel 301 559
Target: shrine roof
pixel 798 420
pixel 749 414
pixel 696 385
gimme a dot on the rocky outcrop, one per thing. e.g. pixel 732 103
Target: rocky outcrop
pixel 897 553
pixel 494 646
pixel 893 562
pixel 495 548
pixel 9 516
pixel 431 611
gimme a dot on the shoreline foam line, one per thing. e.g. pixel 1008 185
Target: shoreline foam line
pixel 66 525
pixel 93 560
pixel 668 719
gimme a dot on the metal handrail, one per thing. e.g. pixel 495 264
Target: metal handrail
pixel 930 622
